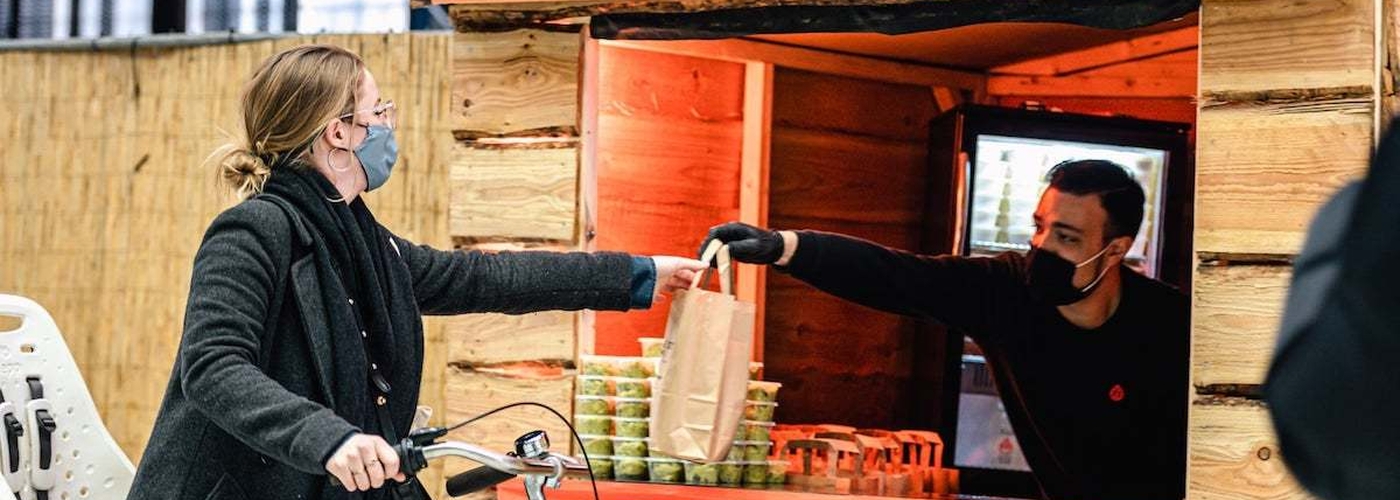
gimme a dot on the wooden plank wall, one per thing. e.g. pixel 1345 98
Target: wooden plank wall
pixel 1287 114
pixel 104 201
pixel 669 142
pixel 515 185
pixel 848 156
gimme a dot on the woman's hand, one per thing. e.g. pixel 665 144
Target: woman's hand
pixel 675 273
pixel 363 462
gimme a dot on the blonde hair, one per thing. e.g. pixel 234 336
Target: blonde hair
pixel 285 107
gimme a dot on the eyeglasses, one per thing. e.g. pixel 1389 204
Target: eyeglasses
pixel 385 113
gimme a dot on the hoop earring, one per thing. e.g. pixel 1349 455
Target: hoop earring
pixel 331 165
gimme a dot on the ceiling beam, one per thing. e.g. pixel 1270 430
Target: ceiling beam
pixel 1136 49
pixel 1093 86
pixel 817 61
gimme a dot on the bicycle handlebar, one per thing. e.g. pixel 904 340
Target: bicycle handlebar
pixel 547 469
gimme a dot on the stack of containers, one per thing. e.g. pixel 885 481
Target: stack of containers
pixel 613 417
pixel 612 413
pixel 754 435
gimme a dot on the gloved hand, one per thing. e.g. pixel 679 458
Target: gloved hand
pixel 747 243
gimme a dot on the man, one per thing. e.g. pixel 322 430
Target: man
pixel 1090 357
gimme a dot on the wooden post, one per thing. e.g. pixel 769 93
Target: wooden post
pixel 1287 116
pixel 753 192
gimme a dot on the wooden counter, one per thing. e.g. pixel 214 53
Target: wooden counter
pixel 610 490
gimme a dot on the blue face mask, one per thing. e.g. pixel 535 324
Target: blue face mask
pixel 377 155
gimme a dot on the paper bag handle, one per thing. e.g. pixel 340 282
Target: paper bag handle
pixel 716 252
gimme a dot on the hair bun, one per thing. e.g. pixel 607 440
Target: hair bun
pixel 242 171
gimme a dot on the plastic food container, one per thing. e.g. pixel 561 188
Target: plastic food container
pixel 651 347
pixel 766 472
pixel 750 451
pixel 593 405
pixel 750 430
pixel 608 366
pixel 632 427
pixel 766 392
pixel 597 446
pixel 736 452
pixel 731 473
pixel 593 425
pixel 618 366
pixel 630 469
pixel 757 452
pixel 701 474
pixel 666 470
pixel 629 447
pixel 639 367
pixel 632 407
pixel 596 385
pixel 602 466
pixel 759 411
pixel 777 471
pixel 633 388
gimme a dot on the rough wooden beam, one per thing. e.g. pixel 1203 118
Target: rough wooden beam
pixel 521 83
pixel 1092 86
pixel 1260 45
pixel 1236 320
pixel 1390 65
pixel 1263 169
pixel 526 193
pixel 1133 50
pixel 472 392
pixel 487 339
pixel 1234 453
pixel 745 51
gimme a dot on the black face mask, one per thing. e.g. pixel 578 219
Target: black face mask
pixel 1051 277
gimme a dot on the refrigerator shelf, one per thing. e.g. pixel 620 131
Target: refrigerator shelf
pixel 1000 247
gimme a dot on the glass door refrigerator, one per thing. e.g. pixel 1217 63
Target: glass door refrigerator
pixel 997 160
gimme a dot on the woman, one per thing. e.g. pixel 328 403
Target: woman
pixel 303 343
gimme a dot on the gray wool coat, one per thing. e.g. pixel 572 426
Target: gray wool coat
pixel 246 413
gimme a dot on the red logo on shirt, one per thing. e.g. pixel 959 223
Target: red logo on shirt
pixel 1116 394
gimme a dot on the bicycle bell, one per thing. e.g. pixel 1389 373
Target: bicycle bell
pixel 533 444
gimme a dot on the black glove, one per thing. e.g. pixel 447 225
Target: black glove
pixel 747 243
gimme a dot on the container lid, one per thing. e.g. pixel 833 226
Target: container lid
pixel 611 360
pixel 753 443
pixel 614 378
pixel 757 423
pixel 760 403
pixel 593 437
pixel 765 384
pixel 631 419
pixel 615 399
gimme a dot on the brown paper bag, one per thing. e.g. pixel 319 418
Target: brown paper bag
pixel 699 398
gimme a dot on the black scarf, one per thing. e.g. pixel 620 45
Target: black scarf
pixel 356 246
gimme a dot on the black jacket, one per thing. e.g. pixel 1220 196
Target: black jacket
pixel 247 413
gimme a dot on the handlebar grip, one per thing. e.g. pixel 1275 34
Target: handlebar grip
pixel 475 480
